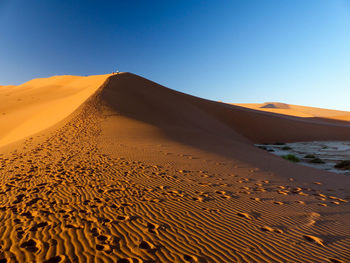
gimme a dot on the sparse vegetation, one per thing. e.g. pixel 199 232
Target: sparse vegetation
pixel 310 156
pixel 316 160
pixel 344 165
pixel 291 157
pixel 286 148
pixel 263 147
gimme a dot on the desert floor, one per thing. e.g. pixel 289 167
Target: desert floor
pixel 117 168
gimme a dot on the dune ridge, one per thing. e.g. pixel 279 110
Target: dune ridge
pixel 141 173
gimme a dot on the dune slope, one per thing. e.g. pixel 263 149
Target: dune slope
pixel 38 104
pixel 141 173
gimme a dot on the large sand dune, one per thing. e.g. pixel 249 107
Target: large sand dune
pixel 120 169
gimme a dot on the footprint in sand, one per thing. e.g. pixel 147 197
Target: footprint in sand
pixel 149 247
pixel 20 232
pixel 95 232
pixel 102 238
pixel 153 228
pixel 335 260
pixel 322 204
pixel 104 247
pixel 271 229
pixel 314 239
pixel 73 226
pixel 190 258
pixel 33 201
pixel 37 226
pixel 266 229
pixel 19 198
pixel 56 259
pixel 129 260
pixel 198 198
pixel 255 198
pixel 31 245
pixel 245 215
pixel 122 218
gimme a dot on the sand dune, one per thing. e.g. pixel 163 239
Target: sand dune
pixel 135 172
pixel 41 103
pixel 297 110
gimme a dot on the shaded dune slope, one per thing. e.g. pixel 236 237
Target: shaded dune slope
pixel 140 111
pixel 143 100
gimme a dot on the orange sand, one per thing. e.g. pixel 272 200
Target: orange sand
pixel 41 103
pixel 120 169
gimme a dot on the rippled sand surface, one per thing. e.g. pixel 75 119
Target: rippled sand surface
pixel 137 172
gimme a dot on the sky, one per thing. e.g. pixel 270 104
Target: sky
pixel 238 51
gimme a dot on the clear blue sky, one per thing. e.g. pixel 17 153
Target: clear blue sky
pixel 294 51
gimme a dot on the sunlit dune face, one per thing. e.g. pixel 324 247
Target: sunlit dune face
pixel 40 103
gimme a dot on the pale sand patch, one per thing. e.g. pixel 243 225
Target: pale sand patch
pixel 38 104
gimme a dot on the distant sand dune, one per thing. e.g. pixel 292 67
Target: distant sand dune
pixel 297 110
pixel 275 105
pixel 121 169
